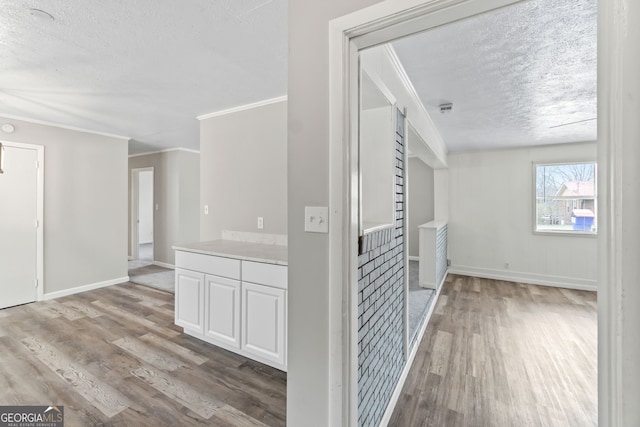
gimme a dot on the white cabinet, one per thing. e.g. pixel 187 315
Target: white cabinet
pixel 222 310
pixel 264 322
pixel 189 312
pixel 235 304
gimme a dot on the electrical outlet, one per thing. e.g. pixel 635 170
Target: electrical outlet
pixel 260 223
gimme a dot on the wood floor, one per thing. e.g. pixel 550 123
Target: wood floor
pixel 113 357
pixel 503 354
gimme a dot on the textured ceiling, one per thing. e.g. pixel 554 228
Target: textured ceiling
pixel 147 68
pixel 143 68
pixel 519 76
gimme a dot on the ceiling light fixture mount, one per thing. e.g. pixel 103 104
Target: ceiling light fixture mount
pixel 8 128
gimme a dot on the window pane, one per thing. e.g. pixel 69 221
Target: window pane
pixel 566 197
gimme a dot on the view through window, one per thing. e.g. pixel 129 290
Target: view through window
pixel 566 198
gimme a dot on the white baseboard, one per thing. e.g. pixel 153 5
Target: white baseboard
pixel 532 278
pixel 164 264
pixel 129 258
pixel 407 366
pixel 414 258
pixel 84 288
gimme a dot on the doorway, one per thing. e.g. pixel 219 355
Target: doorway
pixel 142 215
pixel 352 34
pixel 21 219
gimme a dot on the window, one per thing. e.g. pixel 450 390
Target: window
pixel 566 199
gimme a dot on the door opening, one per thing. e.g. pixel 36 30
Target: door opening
pixel 142 214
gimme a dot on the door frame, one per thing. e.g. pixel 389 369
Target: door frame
pixel 39 211
pixel 135 204
pixel 383 22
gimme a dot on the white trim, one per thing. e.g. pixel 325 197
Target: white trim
pixel 39 211
pixel 84 288
pixel 58 125
pixel 412 355
pixel 164 264
pixel 614 124
pixel 130 258
pixel 408 85
pixel 166 150
pixel 242 107
pixel 522 277
pixel 414 258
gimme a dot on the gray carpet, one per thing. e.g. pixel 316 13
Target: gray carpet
pixel 419 300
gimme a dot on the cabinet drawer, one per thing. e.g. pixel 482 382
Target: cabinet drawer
pixel 225 267
pixel 264 274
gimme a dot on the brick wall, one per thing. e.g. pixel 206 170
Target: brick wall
pixel 381 296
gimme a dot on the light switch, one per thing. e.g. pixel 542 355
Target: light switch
pixel 316 219
pixel 206 209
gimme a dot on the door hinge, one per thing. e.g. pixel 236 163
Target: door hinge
pixel 36 280
pixel 37 164
pixel 37 223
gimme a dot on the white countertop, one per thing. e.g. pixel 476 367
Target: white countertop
pixel 259 252
pixel 433 224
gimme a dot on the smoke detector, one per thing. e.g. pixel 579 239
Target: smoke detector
pixel 446 108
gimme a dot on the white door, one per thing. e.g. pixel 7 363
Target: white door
pixel 189 300
pixel 18 229
pixel 263 322
pixel 222 312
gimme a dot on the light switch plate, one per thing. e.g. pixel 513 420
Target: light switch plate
pixel 316 219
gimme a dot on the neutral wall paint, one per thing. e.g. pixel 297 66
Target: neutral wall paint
pixel 176 192
pixel 309 381
pixel 85 205
pixel 243 171
pixel 491 219
pixel 379 63
pixel 421 200
pixel 145 207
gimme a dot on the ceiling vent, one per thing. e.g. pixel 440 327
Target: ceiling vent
pixel 446 108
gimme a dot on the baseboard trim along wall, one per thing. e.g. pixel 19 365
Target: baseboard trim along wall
pixel 164 264
pixel 412 355
pixel 84 288
pixel 531 278
pixel 414 258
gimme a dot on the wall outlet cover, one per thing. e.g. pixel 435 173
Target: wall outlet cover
pixel 316 219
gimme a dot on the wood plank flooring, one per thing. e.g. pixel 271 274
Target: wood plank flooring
pixel 113 357
pixel 504 354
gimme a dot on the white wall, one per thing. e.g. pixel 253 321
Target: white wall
pixel 491 219
pixel 85 205
pixel 310 384
pixel 145 207
pixel 382 66
pixel 243 171
pixel 421 200
pixel 176 192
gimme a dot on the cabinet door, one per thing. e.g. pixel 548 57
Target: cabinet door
pixel 222 310
pixel 263 322
pixel 189 303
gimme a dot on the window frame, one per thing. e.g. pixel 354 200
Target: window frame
pixel 572 233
